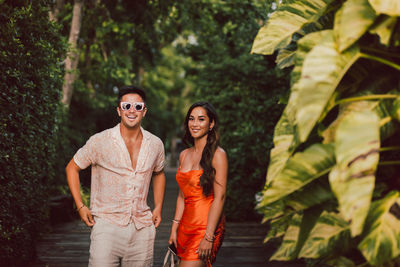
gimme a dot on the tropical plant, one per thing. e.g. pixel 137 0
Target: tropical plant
pixel 331 191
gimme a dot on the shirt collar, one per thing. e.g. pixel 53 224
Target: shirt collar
pixel 116 132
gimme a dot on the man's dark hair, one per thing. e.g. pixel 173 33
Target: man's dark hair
pixel 131 89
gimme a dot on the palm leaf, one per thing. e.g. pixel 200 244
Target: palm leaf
pixel 357 13
pixel 357 146
pixel 283 23
pixel 381 239
pixel 300 170
pixel 331 232
pixel 388 7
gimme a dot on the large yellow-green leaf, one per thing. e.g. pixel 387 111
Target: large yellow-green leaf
pixel 396 109
pixel 272 210
pixel 389 7
pixel 357 13
pixel 384 29
pixel 283 23
pixel 344 109
pixel 331 232
pixel 304 45
pixel 279 226
pixel 300 170
pixel 388 125
pixel 381 239
pixel 353 178
pixel 341 262
pixel 384 108
pixel 287 250
pixel 323 69
pixel 283 139
pixel 313 194
pixel 285 58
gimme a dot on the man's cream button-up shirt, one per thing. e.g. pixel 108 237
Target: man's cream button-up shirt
pixel 118 192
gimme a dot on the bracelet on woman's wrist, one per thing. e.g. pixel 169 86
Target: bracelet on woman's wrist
pixel 208 237
pixel 176 221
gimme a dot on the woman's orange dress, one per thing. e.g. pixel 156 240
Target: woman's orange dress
pixel 193 223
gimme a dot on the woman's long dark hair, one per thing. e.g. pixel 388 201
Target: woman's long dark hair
pixel 208 176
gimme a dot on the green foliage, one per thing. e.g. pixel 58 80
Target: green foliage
pixel 31 79
pixel 243 89
pixel 169 94
pixel 120 44
pixel 344 95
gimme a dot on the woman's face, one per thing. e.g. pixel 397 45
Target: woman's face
pixel 199 123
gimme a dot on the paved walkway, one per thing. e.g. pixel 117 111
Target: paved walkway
pixel 68 244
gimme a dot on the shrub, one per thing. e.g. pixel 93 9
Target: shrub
pixel 30 82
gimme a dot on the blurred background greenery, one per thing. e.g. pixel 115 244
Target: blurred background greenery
pixel 178 51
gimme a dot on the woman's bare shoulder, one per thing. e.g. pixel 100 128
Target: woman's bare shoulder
pixel 183 153
pixel 220 155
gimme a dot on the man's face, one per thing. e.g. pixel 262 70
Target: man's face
pixel 131 118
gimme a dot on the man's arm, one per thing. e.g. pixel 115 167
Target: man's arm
pixel 72 171
pixel 158 190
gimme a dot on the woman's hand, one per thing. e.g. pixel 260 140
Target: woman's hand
pixel 172 238
pixel 204 249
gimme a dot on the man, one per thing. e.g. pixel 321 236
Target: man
pixel 124 159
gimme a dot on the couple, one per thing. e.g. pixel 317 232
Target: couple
pixel 124 159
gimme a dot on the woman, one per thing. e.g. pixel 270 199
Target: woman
pixel 198 226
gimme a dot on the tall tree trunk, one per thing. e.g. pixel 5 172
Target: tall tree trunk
pixel 139 76
pixel 55 10
pixel 174 151
pixel 71 62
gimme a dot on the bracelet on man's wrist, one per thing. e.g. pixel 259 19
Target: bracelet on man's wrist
pixel 83 205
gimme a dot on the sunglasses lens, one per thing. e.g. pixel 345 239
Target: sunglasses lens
pixel 125 106
pixel 138 107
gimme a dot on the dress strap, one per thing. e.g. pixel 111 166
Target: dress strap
pixel 183 159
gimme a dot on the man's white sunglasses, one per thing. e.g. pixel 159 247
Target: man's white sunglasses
pixel 138 106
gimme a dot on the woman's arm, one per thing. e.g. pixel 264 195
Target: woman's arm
pixel 180 206
pixel 220 163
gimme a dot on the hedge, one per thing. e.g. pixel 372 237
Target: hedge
pixel 30 81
